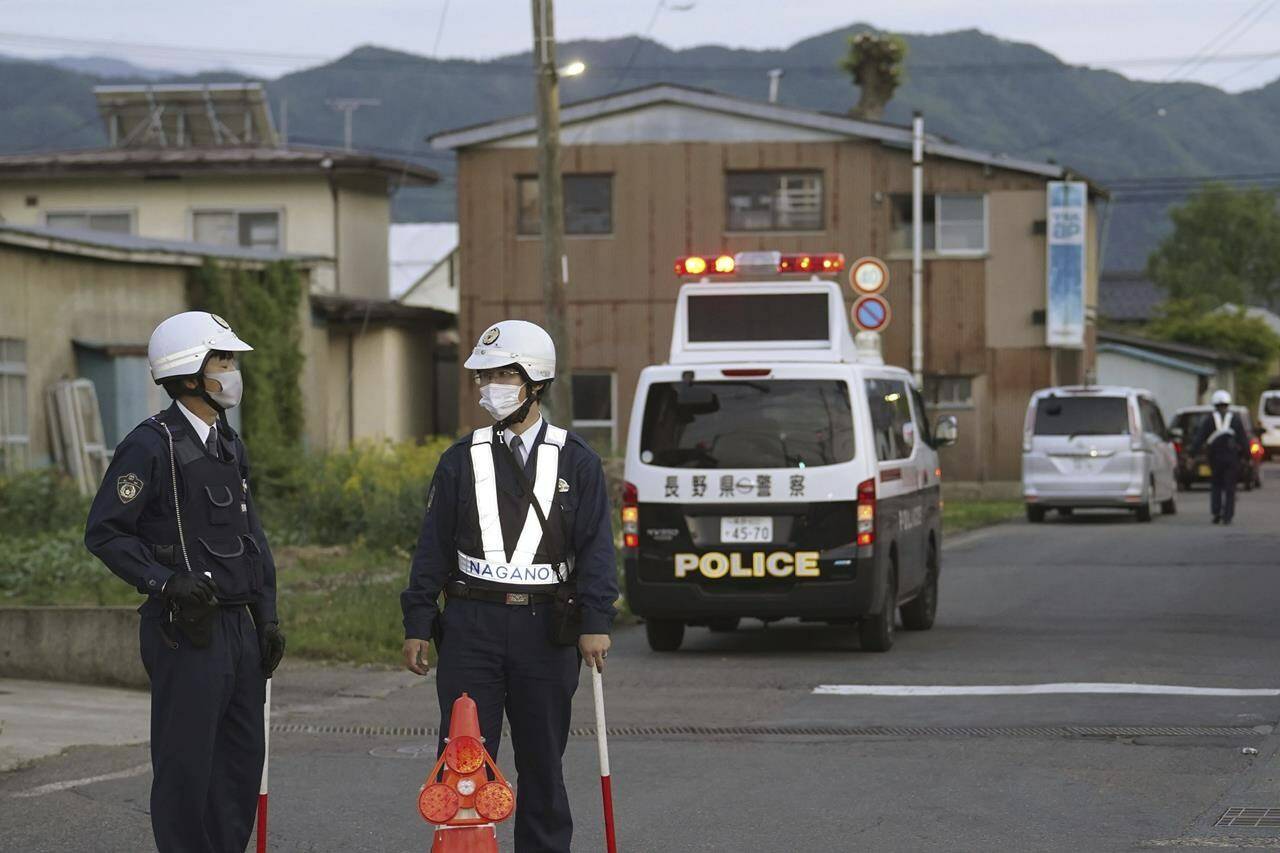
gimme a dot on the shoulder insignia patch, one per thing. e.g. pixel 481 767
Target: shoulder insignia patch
pixel 562 486
pixel 128 487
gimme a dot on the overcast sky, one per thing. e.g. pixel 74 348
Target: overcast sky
pixel 270 37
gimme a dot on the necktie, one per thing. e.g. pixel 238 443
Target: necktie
pixel 517 449
pixel 212 442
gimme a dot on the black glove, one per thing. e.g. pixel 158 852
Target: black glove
pixel 272 643
pixel 190 591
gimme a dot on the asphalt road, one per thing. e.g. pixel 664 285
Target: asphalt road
pixel 724 746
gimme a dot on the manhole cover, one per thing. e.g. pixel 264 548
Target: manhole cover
pixel 1256 818
pixel 411 752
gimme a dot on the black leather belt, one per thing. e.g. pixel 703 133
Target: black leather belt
pixel 458 589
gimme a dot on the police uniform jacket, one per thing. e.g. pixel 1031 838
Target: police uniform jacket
pixel 1224 449
pixel 133 528
pixel 578 530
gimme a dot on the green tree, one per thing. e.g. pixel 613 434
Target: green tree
pixel 1225 247
pixel 876 64
pixel 1230 331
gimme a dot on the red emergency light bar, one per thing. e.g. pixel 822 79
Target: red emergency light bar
pixel 750 262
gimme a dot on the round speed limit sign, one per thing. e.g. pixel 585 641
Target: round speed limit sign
pixel 868 275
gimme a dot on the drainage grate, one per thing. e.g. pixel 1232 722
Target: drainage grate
pixel 820 731
pixel 1256 818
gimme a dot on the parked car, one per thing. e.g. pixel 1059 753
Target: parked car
pixel 1193 469
pixel 1097 446
pixel 1269 423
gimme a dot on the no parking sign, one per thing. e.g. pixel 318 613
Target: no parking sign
pixel 871 313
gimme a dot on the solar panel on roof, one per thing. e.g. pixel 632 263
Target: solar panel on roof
pixel 186 116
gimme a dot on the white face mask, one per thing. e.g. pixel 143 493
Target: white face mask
pixel 232 389
pixel 499 400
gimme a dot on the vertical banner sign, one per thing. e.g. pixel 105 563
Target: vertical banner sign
pixel 1064 319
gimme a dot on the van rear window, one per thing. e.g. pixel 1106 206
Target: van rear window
pixel 770 423
pixel 1271 406
pixel 1082 416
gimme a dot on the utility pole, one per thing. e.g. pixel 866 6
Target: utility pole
pixel 348 106
pixel 917 248
pixel 775 77
pixel 555 263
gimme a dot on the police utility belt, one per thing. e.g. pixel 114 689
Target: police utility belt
pixel 520 570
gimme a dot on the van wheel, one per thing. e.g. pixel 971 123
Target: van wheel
pixel 664 635
pixel 875 633
pixel 1169 507
pixel 1035 514
pixel 724 625
pixel 918 613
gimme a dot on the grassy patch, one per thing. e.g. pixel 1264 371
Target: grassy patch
pixel 961 515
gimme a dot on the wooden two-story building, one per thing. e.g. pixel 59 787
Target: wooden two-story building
pixel 666 171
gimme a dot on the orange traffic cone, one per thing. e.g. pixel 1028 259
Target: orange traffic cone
pixel 465 803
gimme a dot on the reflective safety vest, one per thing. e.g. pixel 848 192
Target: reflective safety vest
pixel 1222 426
pixel 533 565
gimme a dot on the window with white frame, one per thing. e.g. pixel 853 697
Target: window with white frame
pixel 251 229
pixel 15 436
pixel 115 221
pixel 948 392
pixel 773 201
pixel 953 223
pixel 594 409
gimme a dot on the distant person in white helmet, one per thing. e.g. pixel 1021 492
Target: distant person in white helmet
pixel 517 536
pixel 175 519
pixel 1228 445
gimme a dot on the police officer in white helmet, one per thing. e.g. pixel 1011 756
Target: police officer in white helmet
pixel 1224 435
pixel 517 535
pixel 175 519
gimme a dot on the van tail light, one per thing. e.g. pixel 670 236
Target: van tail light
pixel 630 516
pixel 1135 428
pixel 1028 427
pixel 1177 447
pixel 1255 449
pixel 867 512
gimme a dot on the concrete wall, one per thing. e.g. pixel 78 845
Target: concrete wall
pixel 87 645
pixel 48 300
pixel 1172 388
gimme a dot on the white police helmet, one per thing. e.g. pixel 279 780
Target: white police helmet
pixel 515 342
pixel 1221 398
pixel 180 345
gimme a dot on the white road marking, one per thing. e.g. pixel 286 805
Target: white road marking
pixel 1078 687
pixel 55 787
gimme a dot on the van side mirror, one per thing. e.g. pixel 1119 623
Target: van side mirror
pixel 945 431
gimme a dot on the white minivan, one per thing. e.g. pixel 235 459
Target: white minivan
pixel 1269 422
pixel 1091 446
pixel 773 470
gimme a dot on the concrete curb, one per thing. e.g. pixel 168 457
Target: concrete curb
pixel 84 645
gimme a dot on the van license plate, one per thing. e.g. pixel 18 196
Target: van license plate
pixel 1205 471
pixel 746 528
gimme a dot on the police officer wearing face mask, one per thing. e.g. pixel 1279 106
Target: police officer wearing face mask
pixel 517 536
pixel 174 518
pixel 1223 433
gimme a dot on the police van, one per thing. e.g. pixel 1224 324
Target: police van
pixel 775 468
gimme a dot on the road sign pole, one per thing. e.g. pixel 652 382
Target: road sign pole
pixel 917 248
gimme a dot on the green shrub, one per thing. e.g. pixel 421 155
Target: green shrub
pixel 53 567
pixel 374 493
pixel 40 500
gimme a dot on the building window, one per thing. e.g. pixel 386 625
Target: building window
pixel 953 224
pixel 773 201
pixel 948 392
pixel 14 434
pixel 115 221
pixel 588 205
pixel 594 410
pixel 249 229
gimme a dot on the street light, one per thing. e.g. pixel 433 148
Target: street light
pixel 573 69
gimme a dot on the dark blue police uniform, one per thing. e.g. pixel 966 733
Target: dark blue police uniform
pixel 207 739
pixel 501 653
pixel 1227 451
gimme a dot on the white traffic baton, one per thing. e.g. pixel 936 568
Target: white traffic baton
pixel 602 743
pixel 266 760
